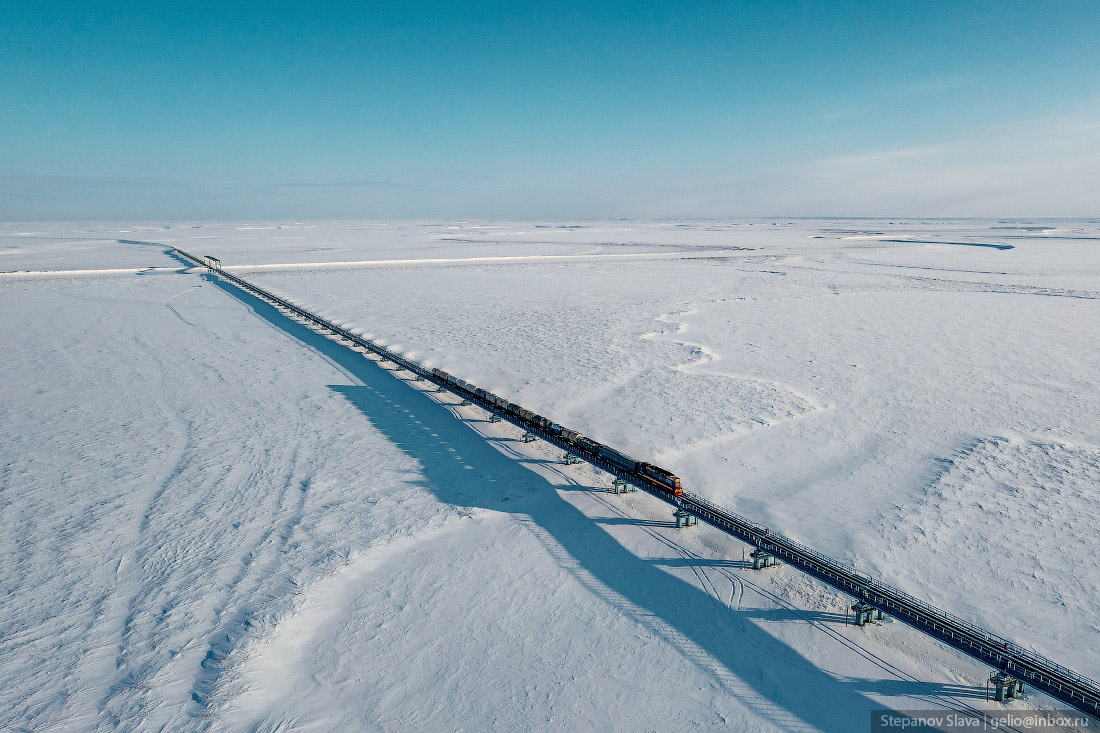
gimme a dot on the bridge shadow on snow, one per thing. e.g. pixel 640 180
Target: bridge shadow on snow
pixel 462 468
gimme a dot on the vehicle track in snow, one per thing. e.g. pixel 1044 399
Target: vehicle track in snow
pixel 703 571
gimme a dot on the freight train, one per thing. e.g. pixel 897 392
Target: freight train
pixel 1061 683
pixel 659 478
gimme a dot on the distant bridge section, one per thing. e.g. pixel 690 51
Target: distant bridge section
pixel 1055 680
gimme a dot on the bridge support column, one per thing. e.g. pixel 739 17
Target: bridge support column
pixel 684 519
pixel 864 613
pixel 620 486
pixel 1005 687
pixel 762 559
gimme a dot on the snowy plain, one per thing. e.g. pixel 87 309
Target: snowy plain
pixel 215 518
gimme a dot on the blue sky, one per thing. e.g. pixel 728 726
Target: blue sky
pixel 549 110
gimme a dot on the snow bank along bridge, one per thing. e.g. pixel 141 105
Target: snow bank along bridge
pixel 1016 664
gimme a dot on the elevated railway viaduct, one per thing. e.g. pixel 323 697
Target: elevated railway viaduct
pixel 1044 674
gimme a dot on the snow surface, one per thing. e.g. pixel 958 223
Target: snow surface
pixel 215 518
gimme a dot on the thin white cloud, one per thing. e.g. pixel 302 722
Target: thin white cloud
pixel 1046 166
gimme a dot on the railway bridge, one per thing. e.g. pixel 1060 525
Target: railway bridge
pixel 1023 664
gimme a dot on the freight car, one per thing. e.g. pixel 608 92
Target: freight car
pixel 621 460
pixel 664 480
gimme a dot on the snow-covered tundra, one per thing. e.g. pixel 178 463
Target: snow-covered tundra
pixel 213 517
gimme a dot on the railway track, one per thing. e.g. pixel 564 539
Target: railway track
pixel 1044 674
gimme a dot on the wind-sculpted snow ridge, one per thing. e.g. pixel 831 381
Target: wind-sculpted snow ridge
pixel 1020 515
pixel 668 411
pixel 692 405
pixel 159 501
pixel 966 284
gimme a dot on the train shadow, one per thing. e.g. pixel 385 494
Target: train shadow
pixel 462 468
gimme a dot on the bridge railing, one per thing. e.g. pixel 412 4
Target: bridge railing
pixel 1073 685
pixel 894 594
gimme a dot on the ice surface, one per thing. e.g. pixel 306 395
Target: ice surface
pixel 213 517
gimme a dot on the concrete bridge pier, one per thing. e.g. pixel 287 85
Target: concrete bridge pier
pixel 1005 687
pixel 685 519
pixel 621 486
pixel 762 559
pixel 865 613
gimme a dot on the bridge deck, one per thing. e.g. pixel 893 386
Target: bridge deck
pixel 1042 673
